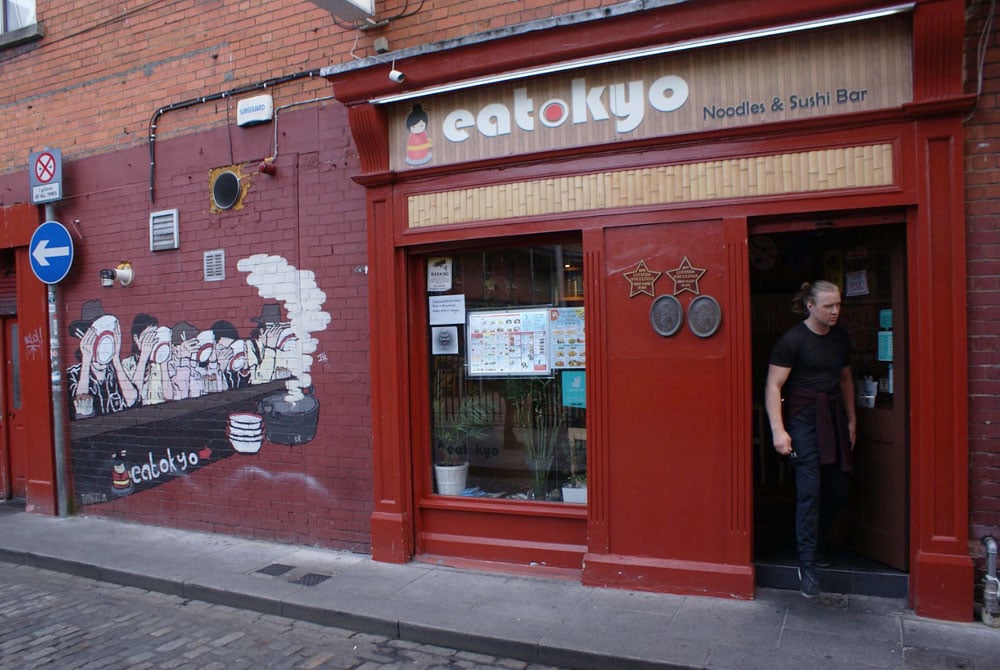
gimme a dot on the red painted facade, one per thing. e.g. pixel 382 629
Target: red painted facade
pixel 670 429
pixel 677 518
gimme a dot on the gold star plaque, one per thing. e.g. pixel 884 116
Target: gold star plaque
pixel 686 277
pixel 641 280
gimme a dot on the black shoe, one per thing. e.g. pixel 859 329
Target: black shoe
pixel 823 560
pixel 809 585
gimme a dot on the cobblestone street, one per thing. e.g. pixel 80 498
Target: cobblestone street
pixel 54 620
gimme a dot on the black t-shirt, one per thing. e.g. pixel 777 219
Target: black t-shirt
pixel 816 360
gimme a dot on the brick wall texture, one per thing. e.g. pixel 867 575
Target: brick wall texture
pixel 982 173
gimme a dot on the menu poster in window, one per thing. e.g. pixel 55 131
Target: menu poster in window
pixel 509 343
pixel 568 343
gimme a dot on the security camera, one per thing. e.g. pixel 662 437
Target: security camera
pixel 396 76
pixel 108 277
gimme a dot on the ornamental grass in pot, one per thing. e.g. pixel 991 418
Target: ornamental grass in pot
pixel 454 429
pixel 538 419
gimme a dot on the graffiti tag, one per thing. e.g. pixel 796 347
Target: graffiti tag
pixel 33 342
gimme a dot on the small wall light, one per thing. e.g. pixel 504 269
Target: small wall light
pixel 122 272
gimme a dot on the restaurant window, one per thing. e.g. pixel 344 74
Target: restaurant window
pixel 508 373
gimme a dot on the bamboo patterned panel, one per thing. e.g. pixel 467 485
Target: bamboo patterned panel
pixel 780 174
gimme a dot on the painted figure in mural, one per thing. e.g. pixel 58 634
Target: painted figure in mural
pixel 231 354
pixel 809 397
pixel 269 343
pixel 147 364
pixel 207 364
pixel 184 381
pixel 121 482
pixel 98 384
pixel 418 145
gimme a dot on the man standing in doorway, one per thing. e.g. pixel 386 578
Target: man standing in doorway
pixel 810 404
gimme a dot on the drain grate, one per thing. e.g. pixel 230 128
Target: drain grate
pixel 276 569
pixel 310 579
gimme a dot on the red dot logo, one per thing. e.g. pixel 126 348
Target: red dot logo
pixel 554 113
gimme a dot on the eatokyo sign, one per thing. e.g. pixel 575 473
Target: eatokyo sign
pixel 823 72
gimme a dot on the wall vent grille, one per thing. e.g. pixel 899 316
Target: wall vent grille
pixel 164 230
pixel 215 265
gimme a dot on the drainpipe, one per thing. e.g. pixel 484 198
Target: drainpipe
pixel 58 410
pixel 991 590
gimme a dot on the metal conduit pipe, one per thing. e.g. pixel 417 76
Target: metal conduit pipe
pixel 274 143
pixel 991 590
pixel 263 85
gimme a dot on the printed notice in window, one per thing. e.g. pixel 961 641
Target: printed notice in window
pixel 509 343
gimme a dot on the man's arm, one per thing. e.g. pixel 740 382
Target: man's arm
pixel 776 378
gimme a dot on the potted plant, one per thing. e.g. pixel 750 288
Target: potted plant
pixel 575 488
pixel 453 429
pixel 539 421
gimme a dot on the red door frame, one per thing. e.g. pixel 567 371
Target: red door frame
pixel 931 188
pixel 17 224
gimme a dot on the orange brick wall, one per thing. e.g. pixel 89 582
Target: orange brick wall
pixel 93 82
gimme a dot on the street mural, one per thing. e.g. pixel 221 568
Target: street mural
pixel 164 400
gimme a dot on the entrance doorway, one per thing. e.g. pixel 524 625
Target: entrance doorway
pixel 868 539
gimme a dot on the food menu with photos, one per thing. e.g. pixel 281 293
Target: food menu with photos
pixel 569 347
pixel 509 342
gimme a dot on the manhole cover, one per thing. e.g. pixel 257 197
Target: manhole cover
pixel 276 569
pixel 310 579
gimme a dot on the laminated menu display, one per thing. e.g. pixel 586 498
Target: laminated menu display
pixel 509 343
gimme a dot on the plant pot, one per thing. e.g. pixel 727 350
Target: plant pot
pixel 451 479
pixel 574 494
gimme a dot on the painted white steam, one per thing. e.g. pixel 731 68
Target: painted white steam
pixel 276 279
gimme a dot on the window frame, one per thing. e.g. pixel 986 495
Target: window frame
pixel 21 35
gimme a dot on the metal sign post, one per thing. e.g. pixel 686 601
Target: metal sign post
pixel 58 406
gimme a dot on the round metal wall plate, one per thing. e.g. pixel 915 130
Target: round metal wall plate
pixel 226 190
pixel 666 315
pixel 704 316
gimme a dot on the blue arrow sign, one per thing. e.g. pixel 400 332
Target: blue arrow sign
pixel 51 252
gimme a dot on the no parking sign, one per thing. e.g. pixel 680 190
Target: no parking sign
pixel 45 171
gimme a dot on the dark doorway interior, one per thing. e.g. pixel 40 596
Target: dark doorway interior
pixel 867 541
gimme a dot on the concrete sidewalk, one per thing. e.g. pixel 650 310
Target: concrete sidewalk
pixel 552 622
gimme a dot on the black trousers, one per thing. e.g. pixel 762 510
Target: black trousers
pixel 820 490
